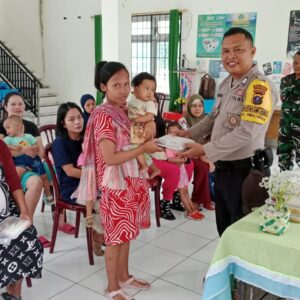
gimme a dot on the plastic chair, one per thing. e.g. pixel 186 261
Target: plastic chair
pixel 61 205
pixel 160 97
pixel 47 134
pixel 155 185
pixel 48 131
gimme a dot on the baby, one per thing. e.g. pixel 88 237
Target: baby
pixel 142 109
pixel 15 136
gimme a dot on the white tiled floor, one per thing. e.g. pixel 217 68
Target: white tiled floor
pixel 174 257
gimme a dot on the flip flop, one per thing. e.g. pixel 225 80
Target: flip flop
pixel 7 296
pixel 67 228
pixel 46 243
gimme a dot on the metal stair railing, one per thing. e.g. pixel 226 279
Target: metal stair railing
pixel 18 76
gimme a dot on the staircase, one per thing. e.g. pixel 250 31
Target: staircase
pixel 41 102
pixel 48 105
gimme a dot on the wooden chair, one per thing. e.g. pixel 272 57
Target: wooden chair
pixel 60 206
pixel 155 185
pixel 161 98
pixel 48 135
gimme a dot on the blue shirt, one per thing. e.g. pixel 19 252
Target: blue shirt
pixel 65 152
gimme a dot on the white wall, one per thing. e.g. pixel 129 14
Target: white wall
pixel 68 44
pixel 69 47
pixel 20 29
pixel 271 28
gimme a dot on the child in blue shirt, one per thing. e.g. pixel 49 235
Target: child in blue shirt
pixel 15 136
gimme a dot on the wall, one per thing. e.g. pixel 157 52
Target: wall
pixel 20 29
pixel 271 27
pixel 69 46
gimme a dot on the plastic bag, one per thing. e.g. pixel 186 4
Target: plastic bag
pixel 11 228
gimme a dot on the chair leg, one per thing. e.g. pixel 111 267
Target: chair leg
pixel 28 282
pixel 43 207
pixel 89 238
pixel 157 204
pixel 77 224
pixel 54 229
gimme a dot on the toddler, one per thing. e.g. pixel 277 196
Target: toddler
pixel 142 109
pixel 15 136
pixel 173 157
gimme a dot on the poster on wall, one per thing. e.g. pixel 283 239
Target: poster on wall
pixel 294 33
pixel 211 29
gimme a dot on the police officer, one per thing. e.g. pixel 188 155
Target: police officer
pixel 237 124
pixel 289 132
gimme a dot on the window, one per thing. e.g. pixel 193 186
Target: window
pixel 149 44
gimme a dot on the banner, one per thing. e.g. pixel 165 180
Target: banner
pixel 294 33
pixel 211 29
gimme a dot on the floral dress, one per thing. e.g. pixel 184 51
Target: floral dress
pixel 23 257
pixel 124 200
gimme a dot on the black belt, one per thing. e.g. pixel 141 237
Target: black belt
pixel 234 164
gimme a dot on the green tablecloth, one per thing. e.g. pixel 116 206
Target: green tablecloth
pixel 268 261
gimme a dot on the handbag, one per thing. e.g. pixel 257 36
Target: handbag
pixel 253 195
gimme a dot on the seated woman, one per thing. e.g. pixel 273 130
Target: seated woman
pixel 66 150
pixel 14 105
pixel 201 193
pixel 23 259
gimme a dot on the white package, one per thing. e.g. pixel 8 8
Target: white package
pixel 173 142
pixel 11 228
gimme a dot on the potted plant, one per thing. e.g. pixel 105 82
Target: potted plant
pixel 281 187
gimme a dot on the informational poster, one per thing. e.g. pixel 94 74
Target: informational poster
pixel 211 29
pixel 277 67
pixel 287 69
pixel 216 69
pixel 267 68
pixel 294 33
pixel 187 84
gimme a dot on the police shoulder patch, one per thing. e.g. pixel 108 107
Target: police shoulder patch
pixel 258 102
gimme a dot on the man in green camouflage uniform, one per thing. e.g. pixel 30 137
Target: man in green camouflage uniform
pixel 289 132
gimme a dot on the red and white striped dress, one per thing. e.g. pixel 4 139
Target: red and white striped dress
pixel 123 211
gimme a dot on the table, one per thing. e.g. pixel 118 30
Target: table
pixel 266 261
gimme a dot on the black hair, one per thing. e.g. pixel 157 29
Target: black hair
pixel 173 124
pixel 139 78
pixel 105 70
pixel 297 52
pixel 238 30
pixel 61 115
pixel 4 113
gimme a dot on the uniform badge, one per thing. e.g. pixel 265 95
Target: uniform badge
pixel 257 106
pixel 233 120
pixel 244 81
pixel 258 93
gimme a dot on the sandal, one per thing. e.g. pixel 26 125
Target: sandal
pixel 111 295
pixel 48 200
pixel 129 284
pixel 7 296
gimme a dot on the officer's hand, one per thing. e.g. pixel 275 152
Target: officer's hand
pixel 193 150
pixel 183 133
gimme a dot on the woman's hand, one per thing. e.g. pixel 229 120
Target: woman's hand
pixel 149 130
pixel 31 150
pixel 151 147
pixel 25 216
pixel 15 149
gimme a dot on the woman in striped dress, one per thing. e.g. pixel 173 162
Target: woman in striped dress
pixel 124 201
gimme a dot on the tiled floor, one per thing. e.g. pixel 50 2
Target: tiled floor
pixel 174 257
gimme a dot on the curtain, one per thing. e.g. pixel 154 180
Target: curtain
pixel 98 48
pixel 174 39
